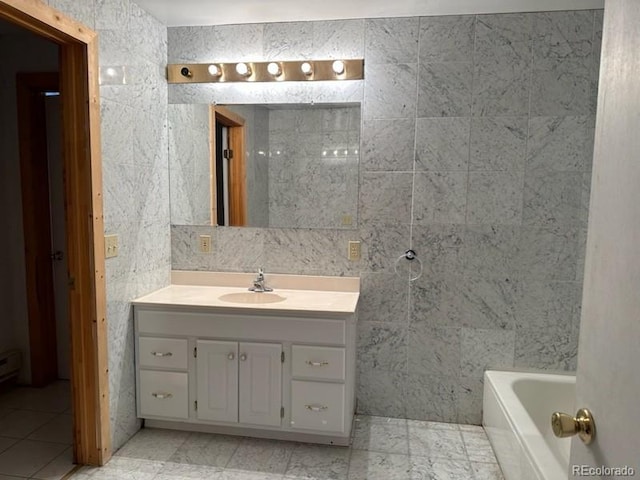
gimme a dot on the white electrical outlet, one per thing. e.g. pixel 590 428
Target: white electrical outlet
pixel 111 246
pixel 354 250
pixel 205 243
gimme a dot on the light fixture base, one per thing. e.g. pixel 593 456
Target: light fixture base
pixel 290 71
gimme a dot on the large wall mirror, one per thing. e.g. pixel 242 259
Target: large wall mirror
pixel 277 166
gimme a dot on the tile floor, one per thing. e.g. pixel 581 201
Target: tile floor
pixel 383 449
pixel 36 432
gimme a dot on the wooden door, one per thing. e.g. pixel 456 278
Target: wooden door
pixel 217 380
pixel 34 168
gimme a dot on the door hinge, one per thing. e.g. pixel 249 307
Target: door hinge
pixel 282 357
pixel 195 405
pixel 227 153
pixel 281 412
pixel 195 352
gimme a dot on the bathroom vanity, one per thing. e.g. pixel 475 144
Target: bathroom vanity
pixel 212 356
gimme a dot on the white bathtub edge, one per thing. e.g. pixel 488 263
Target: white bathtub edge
pixel 519 446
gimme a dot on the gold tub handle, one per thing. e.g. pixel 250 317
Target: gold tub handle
pixel 582 424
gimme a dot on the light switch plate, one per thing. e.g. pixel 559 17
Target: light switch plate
pixel 354 250
pixel 205 243
pixel 111 246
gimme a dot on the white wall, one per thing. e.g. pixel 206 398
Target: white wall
pixel 22 53
pixel 608 380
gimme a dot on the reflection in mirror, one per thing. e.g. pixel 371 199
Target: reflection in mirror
pixel 279 166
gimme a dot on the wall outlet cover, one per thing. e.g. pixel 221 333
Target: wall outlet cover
pixel 205 243
pixel 354 250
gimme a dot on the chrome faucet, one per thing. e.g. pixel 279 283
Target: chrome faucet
pixel 258 283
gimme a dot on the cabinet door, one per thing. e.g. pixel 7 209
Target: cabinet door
pixel 217 381
pixel 260 383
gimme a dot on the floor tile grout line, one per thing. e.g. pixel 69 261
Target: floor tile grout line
pixel 73 465
pixel 47 441
pixel 233 453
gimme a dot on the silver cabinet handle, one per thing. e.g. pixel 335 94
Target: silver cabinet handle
pixel 162 396
pixel 162 354
pixel 231 356
pixel 243 357
pixel 316 408
pixel 317 364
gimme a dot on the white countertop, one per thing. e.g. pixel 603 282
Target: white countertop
pixel 311 293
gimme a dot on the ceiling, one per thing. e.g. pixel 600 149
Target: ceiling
pixel 223 12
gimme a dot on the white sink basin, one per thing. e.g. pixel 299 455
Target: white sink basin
pixel 252 297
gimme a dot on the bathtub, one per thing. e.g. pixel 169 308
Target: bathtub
pixel 517 408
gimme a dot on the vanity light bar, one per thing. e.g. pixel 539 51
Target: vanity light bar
pixel 290 71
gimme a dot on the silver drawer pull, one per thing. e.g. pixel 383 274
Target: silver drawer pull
pixel 231 356
pixel 316 408
pixel 162 396
pixel 162 354
pixel 317 364
pixel 243 357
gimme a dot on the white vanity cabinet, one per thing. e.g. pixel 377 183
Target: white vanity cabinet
pixel 239 382
pixel 285 374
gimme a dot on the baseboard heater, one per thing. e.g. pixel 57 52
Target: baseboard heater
pixel 10 363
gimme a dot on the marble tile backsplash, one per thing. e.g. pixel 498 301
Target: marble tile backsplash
pixel 476 147
pixel 135 179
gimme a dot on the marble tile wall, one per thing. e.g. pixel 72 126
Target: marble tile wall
pixel 476 147
pixel 135 177
pixel 313 167
pixel 188 130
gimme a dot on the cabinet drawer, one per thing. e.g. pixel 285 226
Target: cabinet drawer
pixel 260 328
pixel 325 363
pixel 164 394
pixel 317 406
pixel 163 352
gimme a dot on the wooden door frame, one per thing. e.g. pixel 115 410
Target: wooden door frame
pixel 83 217
pixel 237 167
pixel 36 207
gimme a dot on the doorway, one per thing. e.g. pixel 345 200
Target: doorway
pixel 228 168
pixel 39 134
pixel 84 228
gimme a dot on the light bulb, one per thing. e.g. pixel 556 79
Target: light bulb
pixel 214 70
pixel 338 67
pixel 306 68
pixel 243 69
pixel 274 69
